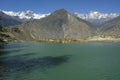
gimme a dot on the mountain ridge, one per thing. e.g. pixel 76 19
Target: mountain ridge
pixel 93 15
pixel 62 25
pixel 6 20
pixel 59 25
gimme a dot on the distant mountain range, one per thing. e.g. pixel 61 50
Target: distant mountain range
pixel 92 15
pixel 25 14
pixel 96 18
pixel 59 25
pixel 9 18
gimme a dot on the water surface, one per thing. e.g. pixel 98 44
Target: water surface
pixel 45 61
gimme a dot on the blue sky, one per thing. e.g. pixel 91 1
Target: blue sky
pixel 47 6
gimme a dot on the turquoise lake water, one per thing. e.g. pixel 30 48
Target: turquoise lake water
pixel 48 61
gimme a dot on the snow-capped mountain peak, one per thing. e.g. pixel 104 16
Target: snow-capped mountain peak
pixel 94 17
pixel 97 15
pixel 97 18
pixel 91 15
pixel 25 14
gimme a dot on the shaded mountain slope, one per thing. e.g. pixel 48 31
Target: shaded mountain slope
pixel 6 20
pixel 111 28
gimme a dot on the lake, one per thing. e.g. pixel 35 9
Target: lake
pixel 54 61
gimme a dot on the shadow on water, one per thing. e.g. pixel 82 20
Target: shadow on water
pixel 2 65
pixel 7 48
pixel 3 51
pixel 12 46
pixel 2 70
pixel 2 46
pixel 18 64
